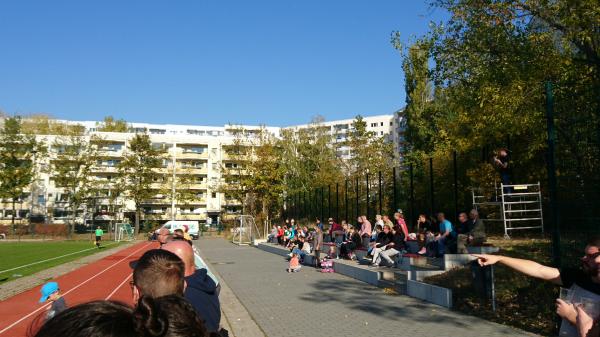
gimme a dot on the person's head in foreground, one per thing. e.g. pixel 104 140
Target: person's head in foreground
pixel 50 292
pixel 158 273
pixel 591 259
pixel 185 253
pixel 169 316
pixel 178 233
pixel 163 235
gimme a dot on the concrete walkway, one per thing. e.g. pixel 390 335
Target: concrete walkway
pixel 310 303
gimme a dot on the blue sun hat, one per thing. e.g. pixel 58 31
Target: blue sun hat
pixel 47 290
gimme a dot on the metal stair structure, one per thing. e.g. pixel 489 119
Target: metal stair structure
pixel 518 206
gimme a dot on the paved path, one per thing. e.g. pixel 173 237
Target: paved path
pixel 314 304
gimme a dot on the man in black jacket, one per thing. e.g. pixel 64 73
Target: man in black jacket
pixel 383 239
pixel 200 290
pixel 395 247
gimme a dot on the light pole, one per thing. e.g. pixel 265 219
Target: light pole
pixel 33 165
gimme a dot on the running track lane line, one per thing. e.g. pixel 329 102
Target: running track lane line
pixel 118 287
pixel 70 290
pixel 50 259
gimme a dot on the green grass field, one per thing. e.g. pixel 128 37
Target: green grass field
pixel 29 255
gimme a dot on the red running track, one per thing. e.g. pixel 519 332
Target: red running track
pixel 107 278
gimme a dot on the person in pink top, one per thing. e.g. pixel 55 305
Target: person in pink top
pixel 401 223
pixel 365 230
pixel 294 264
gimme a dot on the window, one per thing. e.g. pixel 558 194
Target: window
pixel 373 125
pixel 159 146
pixel 195 132
pixel 158 131
pixel 381 123
pixel 194 149
pixel 382 133
pixel 214 195
pixel 391 123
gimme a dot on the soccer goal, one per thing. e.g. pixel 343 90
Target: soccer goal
pixel 245 231
pixel 123 232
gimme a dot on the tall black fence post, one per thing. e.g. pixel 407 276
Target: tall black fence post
pixel 380 191
pixel 412 194
pixel 337 201
pixel 322 203
pixel 346 200
pixel 432 188
pixel 395 200
pixel 357 209
pixel 329 202
pixel 551 168
pixel 368 198
pixel 455 166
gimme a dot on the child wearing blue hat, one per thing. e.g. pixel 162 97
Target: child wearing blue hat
pixel 51 293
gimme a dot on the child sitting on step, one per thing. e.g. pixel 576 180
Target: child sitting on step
pixel 294 264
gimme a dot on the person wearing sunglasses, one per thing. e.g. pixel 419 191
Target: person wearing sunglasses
pixel 582 282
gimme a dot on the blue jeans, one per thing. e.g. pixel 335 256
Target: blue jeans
pixel 300 253
pixel 441 246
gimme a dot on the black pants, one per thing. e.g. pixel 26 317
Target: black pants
pixel 98 238
pixel 347 248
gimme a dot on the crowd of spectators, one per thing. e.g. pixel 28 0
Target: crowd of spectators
pixel 173 296
pixel 436 236
pixel 385 239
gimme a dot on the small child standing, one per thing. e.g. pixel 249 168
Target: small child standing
pixel 51 293
pixel 294 264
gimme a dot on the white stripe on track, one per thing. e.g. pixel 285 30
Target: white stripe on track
pixel 118 287
pixel 50 259
pixel 70 290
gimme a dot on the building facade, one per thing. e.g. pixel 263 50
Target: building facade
pixel 198 152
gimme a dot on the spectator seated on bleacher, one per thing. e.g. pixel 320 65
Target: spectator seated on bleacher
pixel 383 239
pixel 395 247
pixel 446 237
pixel 411 243
pixel 472 232
pixel 377 231
pixel 336 231
pixel 300 248
pixel 352 242
pixel 272 237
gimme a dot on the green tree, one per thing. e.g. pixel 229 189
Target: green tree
pixel 17 155
pixel 41 124
pixel 72 169
pixel 138 171
pixel 109 124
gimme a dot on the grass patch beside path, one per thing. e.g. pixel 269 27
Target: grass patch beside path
pixel 17 254
pixel 521 301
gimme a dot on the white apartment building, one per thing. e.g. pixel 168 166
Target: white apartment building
pixel 199 151
pixel 380 125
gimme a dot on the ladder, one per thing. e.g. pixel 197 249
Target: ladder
pixel 518 206
pixel 521 207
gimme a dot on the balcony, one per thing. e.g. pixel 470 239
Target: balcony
pixel 105 169
pixel 192 170
pixel 192 155
pixel 197 186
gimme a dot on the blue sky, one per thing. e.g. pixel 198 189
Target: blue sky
pixel 205 62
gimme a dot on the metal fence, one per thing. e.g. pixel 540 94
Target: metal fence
pixel 569 177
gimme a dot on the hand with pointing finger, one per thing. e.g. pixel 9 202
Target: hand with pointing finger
pixel 487 260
